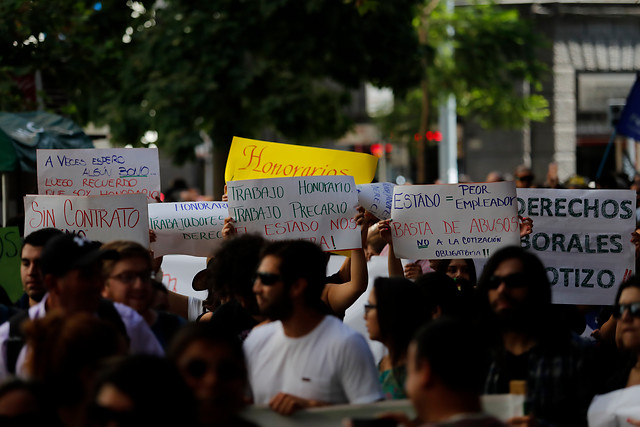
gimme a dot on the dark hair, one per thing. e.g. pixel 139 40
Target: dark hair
pixel 401 312
pixel 454 352
pixel 439 290
pixel 301 259
pixel 535 272
pixel 232 269
pixel 65 346
pixel 125 249
pixel 443 267
pixel 631 282
pixel 205 331
pixel 40 237
pixel 159 394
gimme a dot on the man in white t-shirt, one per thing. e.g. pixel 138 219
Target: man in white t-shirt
pixel 303 358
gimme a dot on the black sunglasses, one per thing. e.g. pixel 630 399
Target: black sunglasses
pixel 268 279
pixel 514 280
pixel 619 309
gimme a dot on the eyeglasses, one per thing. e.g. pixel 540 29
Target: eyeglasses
pixel 268 279
pixel 525 178
pixel 619 309
pixel 368 308
pixel 225 370
pixel 129 277
pixel 514 280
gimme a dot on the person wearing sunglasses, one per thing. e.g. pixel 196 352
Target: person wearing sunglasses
pixel 621 402
pixel 140 390
pixel 530 344
pixel 523 177
pixel 303 357
pixel 210 359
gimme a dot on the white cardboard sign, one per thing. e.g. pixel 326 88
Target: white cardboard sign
pixel 187 228
pixel 316 208
pixel 178 272
pixel 376 198
pixel 99 172
pixel 102 218
pixel 470 220
pixel 583 239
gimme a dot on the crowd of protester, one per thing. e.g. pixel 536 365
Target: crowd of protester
pixel 95 341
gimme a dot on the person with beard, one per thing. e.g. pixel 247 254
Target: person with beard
pixel 303 358
pixel 530 345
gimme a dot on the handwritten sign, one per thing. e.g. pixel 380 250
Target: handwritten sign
pixel 102 218
pixel 317 208
pixel 178 272
pixel 583 239
pixel 376 198
pixel 188 228
pixel 454 220
pixel 253 159
pixel 99 172
pixel 614 408
pixel 10 253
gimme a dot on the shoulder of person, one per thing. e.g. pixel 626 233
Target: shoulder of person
pixel 261 334
pixel 338 329
pixel 128 315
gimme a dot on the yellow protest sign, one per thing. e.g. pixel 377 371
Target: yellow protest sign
pixel 252 159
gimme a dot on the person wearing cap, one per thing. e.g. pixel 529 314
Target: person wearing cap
pixel 72 275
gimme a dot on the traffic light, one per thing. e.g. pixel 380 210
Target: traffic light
pixel 379 149
pixel 431 136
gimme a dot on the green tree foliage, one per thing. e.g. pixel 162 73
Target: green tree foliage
pixel 494 52
pixel 228 67
pixel 76 45
pixel 239 67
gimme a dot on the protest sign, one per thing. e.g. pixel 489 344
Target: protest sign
pixel 188 228
pixel 583 239
pixel 102 218
pixel 99 172
pixel 376 198
pixel 615 408
pixel 316 208
pixel 253 159
pixel 470 220
pixel 10 254
pixel 178 272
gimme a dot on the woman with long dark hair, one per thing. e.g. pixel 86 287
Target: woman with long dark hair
pixel 393 314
